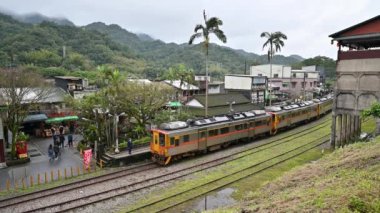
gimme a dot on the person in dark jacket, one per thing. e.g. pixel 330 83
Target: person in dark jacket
pixel 129 145
pixel 51 153
pixel 62 140
pixel 56 149
pixel 70 140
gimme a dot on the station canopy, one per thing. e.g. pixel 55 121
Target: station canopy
pixel 60 119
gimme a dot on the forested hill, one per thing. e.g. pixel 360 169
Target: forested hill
pixel 223 59
pixel 64 48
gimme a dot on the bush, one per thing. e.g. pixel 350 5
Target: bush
pixel 142 140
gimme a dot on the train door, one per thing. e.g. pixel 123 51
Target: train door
pixel 155 145
pixel 202 139
pixel 251 129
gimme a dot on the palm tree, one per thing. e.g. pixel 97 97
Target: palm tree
pixel 273 39
pixel 211 26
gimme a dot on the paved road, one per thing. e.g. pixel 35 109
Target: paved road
pixel 39 161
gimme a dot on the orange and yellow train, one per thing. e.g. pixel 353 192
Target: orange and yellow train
pixel 177 139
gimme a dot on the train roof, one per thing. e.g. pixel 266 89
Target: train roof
pixel 178 126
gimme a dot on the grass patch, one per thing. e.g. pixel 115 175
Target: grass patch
pixel 346 180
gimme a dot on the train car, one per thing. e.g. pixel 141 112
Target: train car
pixel 175 140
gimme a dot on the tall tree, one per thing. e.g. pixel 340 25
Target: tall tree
pixel 21 91
pixel 211 26
pixel 275 42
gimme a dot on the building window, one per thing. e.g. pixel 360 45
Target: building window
pixel 303 85
pixel 294 75
pixel 294 84
pixel 284 84
pixel 311 84
pixel 305 75
pixel 260 75
pixel 275 75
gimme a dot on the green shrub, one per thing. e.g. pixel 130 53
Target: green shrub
pixel 142 140
pixel 358 205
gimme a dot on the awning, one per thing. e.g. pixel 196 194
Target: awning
pixel 35 118
pixel 174 104
pixel 60 119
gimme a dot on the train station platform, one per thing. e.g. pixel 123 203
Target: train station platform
pixel 124 158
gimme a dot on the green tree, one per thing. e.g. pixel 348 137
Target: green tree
pixel 21 91
pixel 373 111
pixel 182 73
pixel 211 26
pixel 274 42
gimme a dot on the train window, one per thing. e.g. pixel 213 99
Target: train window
pixel 224 130
pixel 186 138
pixel 238 127
pixel 258 123
pixel 252 124
pixel 203 134
pixel 268 122
pixel 176 141
pixel 245 126
pixel 172 141
pixel 156 139
pixel 212 132
pixel 162 139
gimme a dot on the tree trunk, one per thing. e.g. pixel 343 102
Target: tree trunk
pixel 206 104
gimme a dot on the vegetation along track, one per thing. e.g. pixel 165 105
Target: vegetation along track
pixel 146 183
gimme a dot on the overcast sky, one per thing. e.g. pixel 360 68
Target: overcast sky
pixel 306 23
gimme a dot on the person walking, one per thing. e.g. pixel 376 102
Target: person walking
pixel 129 145
pixel 61 129
pixel 62 140
pixel 53 132
pixel 56 149
pixel 70 140
pixel 51 153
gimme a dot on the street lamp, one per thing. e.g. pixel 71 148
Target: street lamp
pixel 117 131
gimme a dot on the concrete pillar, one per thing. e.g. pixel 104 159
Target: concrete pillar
pixel 333 132
pixel 344 141
pixel 357 133
pixel 340 130
pixel 353 128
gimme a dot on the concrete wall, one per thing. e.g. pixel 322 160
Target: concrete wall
pixel 358 84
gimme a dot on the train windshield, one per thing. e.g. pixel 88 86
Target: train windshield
pixel 162 139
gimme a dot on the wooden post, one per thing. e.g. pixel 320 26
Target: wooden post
pixel 8 185
pixel 65 174
pixel 333 131
pixel 84 169
pixel 46 177
pixel 101 164
pixel 38 179
pixel 51 176
pixel 15 185
pixel 89 168
pixel 31 181
pixel 23 183
pixel 71 171
pixel 78 171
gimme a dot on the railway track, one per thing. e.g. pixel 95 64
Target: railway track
pixel 11 202
pixel 109 194
pixel 199 190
